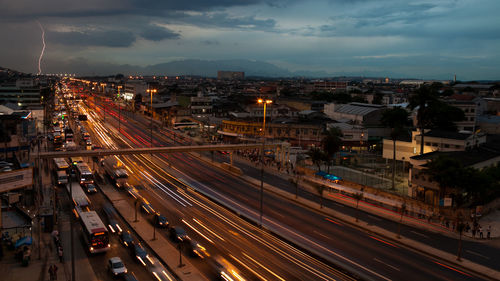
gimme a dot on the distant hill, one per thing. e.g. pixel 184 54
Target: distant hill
pixel 209 68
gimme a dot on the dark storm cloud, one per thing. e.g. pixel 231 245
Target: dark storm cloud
pixel 93 38
pixel 157 33
pixel 75 8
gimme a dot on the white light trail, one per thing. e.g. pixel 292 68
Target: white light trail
pixel 43 49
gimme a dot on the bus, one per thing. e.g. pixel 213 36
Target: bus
pixel 84 173
pixel 80 199
pixel 94 232
pixel 61 171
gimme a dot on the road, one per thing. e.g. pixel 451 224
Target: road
pixel 367 255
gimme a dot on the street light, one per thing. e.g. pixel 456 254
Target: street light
pixel 151 91
pixel 265 102
pixel 119 110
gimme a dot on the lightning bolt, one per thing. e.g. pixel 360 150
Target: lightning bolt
pixel 43 49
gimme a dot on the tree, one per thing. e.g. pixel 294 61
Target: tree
pixel 317 156
pixel 447 172
pixel 396 119
pixel 331 144
pixel 421 98
pixel 403 210
pixel 357 196
pixel 443 116
pixel 320 188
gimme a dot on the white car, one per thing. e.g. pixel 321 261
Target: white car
pixel 116 266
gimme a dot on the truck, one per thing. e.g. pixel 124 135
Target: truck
pixel 116 171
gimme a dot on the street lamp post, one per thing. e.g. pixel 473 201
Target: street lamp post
pixel 264 102
pixel 119 110
pixel 151 91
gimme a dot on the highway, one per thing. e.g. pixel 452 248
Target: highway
pixel 368 256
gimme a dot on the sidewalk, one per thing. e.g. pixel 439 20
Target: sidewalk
pixel 44 253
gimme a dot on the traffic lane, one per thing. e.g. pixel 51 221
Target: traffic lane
pixel 117 249
pixel 282 208
pixel 367 247
pixel 237 246
pixel 473 251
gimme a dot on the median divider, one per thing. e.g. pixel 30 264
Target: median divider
pixel 164 250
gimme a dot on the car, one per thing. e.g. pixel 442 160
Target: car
pixel 126 239
pixel 160 220
pixel 147 207
pixel 178 234
pixel 116 266
pixel 90 188
pixel 141 254
pixel 195 249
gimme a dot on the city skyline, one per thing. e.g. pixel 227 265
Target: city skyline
pixel 418 39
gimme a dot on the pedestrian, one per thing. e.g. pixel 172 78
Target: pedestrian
pixel 480 232
pixel 474 232
pixel 60 253
pixel 54 269
pixel 488 233
pixel 51 272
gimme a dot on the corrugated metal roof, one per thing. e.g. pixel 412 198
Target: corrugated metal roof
pixel 355 109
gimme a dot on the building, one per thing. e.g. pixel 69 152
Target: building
pixel 422 187
pixel 230 75
pixel 433 141
pixel 471 106
pixel 329 86
pixel 355 113
pixel 201 106
pixel 298 134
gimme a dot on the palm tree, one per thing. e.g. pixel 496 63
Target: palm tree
pixel 331 144
pixel 421 98
pixel 395 119
pixel 357 196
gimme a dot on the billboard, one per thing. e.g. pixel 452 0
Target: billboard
pixel 16 179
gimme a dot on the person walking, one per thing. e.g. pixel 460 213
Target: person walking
pixel 51 272
pixel 480 232
pixel 54 270
pixel 488 232
pixel 60 253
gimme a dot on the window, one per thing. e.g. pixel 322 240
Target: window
pixel 428 144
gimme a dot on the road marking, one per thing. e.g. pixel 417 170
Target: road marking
pixel 375 218
pixel 386 264
pixel 321 234
pixel 423 235
pixel 449 267
pixel 385 242
pixel 477 254
pixel 335 222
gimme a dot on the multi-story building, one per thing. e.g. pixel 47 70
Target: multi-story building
pixel 302 134
pixel 471 106
pixel 201 106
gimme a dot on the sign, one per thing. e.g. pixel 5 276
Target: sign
pixel 446 202
pixel 16 179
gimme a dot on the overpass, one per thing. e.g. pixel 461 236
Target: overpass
pixel 282 150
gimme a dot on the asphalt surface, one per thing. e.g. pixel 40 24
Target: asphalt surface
pixel 365 254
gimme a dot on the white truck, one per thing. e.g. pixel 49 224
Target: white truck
pixel 115 169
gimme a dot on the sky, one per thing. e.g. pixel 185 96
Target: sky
pixel 418 39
